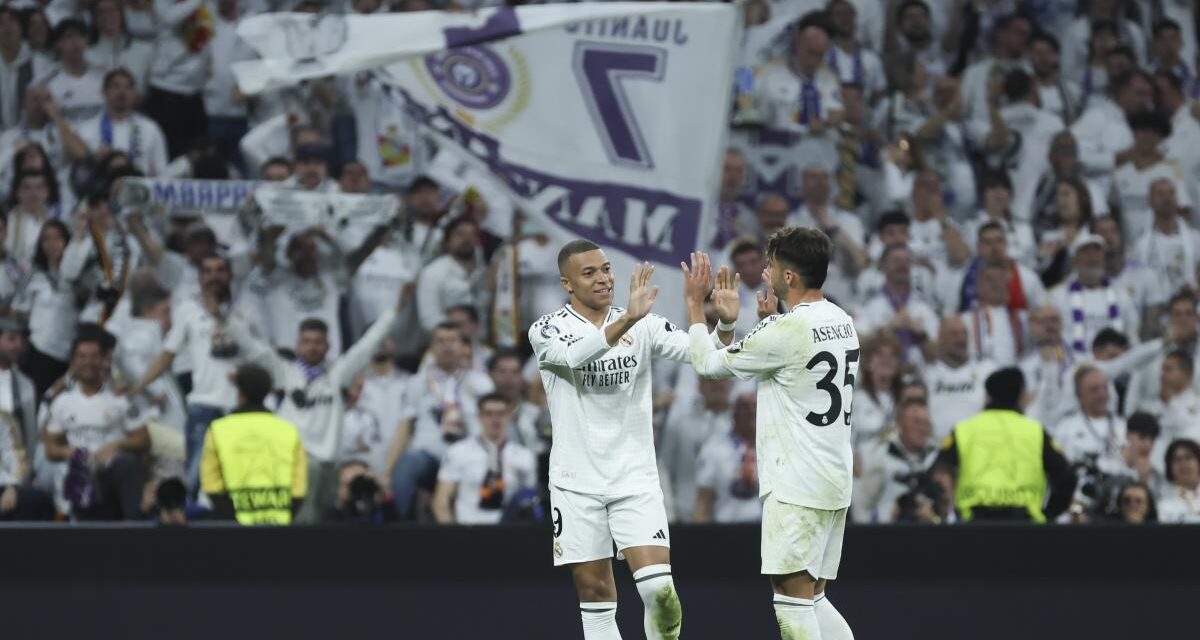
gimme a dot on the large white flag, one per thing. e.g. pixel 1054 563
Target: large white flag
pixel 604 121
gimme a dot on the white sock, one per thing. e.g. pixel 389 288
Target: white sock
pixel 833 625
pixel 663 612
pixel 797 618
pixel 599 620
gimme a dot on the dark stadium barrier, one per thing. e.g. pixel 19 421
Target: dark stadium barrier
pixel 958 583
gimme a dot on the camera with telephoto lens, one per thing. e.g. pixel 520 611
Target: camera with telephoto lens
pixel 920 486
pixel 364 496
pixel 1097 490
pixel 491 492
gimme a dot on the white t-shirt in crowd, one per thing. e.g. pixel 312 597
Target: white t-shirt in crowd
pixel 1133 192
pixel 805 362
pixel 50 305
pixel 376 283
pixel 1171 258
pixel 77 97
pixel 997 334
pixel 192 330
pixel 1095 304
pixel 722 467
pixel 435 399
pixel 779 90
pixel 466 464
pixel 364 439
pixel 286 299
pixel 955 393
pixel 133 56
pixel 138 136
pixel 91 422
pixel 1081 436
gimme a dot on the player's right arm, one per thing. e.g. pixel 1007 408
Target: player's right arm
pixel 762 352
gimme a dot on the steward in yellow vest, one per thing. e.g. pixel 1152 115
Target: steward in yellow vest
pixel 1004 460
pixel 253 467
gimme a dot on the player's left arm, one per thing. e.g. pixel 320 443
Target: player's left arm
pixel 763 351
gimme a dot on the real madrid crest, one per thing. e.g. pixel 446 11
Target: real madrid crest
pixel 558 550
pixel 626 340
pixel 481 81
pixel 548 331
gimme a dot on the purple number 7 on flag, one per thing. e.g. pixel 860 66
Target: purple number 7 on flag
pixel 600 68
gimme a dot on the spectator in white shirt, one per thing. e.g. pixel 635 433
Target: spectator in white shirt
pixel 311 170
pixel 114 48
pixel 897 308
pixel 1177 405
pixel 28 210
pixel 1183 147
pixel 480 475
pixel 996 190
pixel 441 403
pixel 1183 324
pixel 75 86
pixel 727 471
pixel 746 255
pixel 423 202
pixel 1017 139
pixel 45 132
pixel 895 467
pixel 1088 300
pixel 852 61
pixel 365 435
pixel 800 94
pixel 1103 133
pixel 92 427
pixel 47 301
pixel 1143 286
pixel 225 105
pixel 182 57
pixel 197 328
pixel 954 380
pixel 915 33
pixel 1168 51
pixel 878 389
pixel 842 227
pixel 17 67
pixel 1011 41
pixel 1059 95
pixel 1025 289
pixel 1094 431
pixel 1171 248
pixel 119 128
pixel 456 278
pixel 528 427
pixel 1079 34
pixel 1146 165
pixel 997 332
pixel 934 237
pixel 1179 502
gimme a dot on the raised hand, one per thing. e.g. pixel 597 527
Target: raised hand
pixel 768 304
pixel 641 294
pixel 725 295
pixel 697 279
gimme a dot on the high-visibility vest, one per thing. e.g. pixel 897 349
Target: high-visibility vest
pixel 1000 463
pixel 257 454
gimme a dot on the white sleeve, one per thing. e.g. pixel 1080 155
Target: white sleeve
pixel 429 308
pixel 451 468
pixel 670 342
pixel 756 356
pixel 555 348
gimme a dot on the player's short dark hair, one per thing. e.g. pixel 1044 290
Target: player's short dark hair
pixel 805 250
pixel 1150 121
pixel 1042 36
pixel 314 324
pixel 422 182
pixel 894 218
pixel 501 354
pixel 1181 443
pixel 572 248
pixel 1018 85
pixel 492 396
pixel 1185 361
pixel 253 382
pixel 1109 337
pixel 1143 424
pixel 1166 24
pixel 990 225
pixel 119 72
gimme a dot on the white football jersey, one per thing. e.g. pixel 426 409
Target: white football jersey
pixel 600 399
pixel 957 393
pixel 805 361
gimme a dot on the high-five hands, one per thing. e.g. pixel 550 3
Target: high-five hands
pixel 768 304
pixel 641 294
pixel 697 279
pixel 725 295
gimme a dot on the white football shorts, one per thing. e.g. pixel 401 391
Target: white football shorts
pixel 586 525
pixel 796 538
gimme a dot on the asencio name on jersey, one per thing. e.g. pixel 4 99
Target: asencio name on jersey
pixel 834 332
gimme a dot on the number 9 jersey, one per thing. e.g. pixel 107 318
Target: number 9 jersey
pixel 805 361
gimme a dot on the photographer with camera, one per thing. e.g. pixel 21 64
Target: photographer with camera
pixel 254 468
pixel 362 497
pixel 1004 462
pixel 727 470
pixel 897 466
pixel 500 468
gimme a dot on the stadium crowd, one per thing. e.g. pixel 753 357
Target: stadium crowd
pixel 1006 183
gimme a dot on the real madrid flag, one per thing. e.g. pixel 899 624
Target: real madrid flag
pixel 604 121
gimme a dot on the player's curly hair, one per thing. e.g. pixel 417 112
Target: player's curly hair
pixel 804 251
